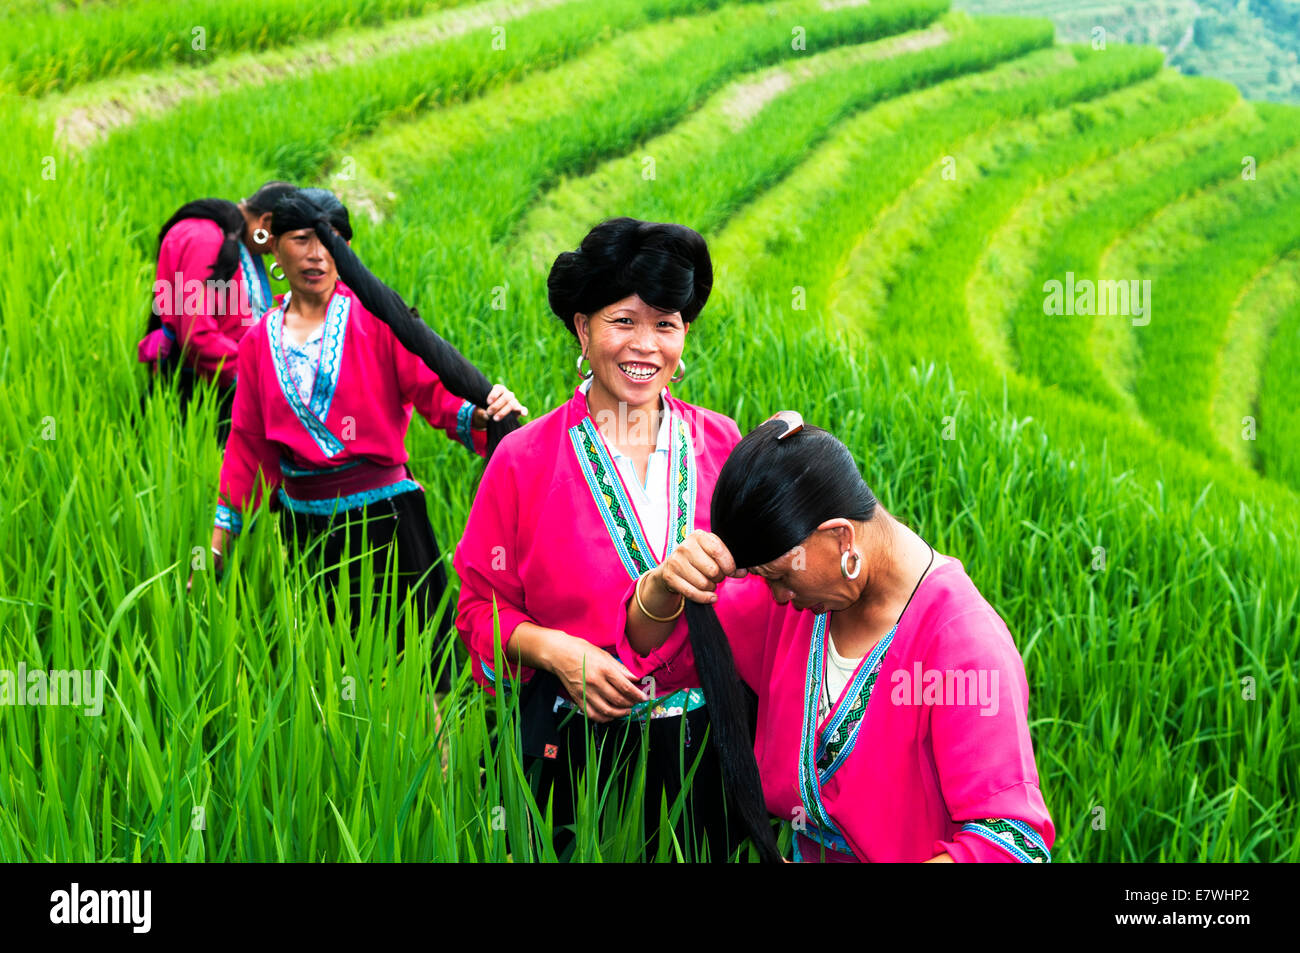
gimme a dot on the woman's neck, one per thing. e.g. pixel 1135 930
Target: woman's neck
pixel 902 557
pixel 308 305
pixel 624 426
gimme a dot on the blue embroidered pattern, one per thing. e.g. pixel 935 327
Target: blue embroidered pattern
pixel 611 499
pixel 255 281
pixel 289 470
pixel 352 501
pixel 312 416
pixel 464 425
pixel 1014 836
pixel 812 746
pixel 228 519
pixel 818 836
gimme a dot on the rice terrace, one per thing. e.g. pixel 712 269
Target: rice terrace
pixel 1047 293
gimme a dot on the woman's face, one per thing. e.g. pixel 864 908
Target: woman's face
pixel 308 267
pixel 633 348
pixel 809 575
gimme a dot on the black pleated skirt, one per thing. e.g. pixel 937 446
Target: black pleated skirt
pixel 555 748
pixel 376 533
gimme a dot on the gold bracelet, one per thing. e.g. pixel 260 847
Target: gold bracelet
pixel 646 612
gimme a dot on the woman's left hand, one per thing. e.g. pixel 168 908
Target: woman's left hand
pixel 501 401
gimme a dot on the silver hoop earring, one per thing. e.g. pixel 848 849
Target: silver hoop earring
pixel 260 235
pixel 274 266
pixel 586 376
pixel 844 564
pixel 680 375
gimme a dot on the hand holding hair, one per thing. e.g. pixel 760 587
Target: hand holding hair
pixel 693 570
pixel 458 375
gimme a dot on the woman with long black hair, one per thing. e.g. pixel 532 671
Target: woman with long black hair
pixel 328 381
pixel 210 288
pixel 582 500
pixel 893 706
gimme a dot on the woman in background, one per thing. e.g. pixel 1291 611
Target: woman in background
pixel 325 397
pixel 210 287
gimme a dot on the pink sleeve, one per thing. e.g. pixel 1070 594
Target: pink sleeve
pixel 215 354
pixel 982 749
pixel 247 449
pixel 422 387
pixel 744 609
pixel 488 567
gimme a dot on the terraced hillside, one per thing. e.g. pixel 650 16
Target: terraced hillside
pixel 892 193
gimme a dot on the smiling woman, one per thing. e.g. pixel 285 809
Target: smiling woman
pixel 585 499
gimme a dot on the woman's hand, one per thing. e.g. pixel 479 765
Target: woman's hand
pixel 611 690
pixel 693 570
pixel 219 537
pixel 500 403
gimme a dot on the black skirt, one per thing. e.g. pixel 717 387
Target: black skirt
pixel 371 534
pixel 555 748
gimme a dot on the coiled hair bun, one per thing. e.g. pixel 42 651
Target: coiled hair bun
pixel 303 208
pixel 666 265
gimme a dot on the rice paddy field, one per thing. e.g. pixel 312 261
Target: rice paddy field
pixel 888 189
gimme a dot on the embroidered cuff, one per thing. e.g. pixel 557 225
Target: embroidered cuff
pixel 228 519
pixel 464 425
pixel 1015 837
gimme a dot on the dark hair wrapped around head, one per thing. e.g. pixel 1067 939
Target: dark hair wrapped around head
pixel 771 494
pixel 668 266
pixel 769 498
pixel 265 198
pixel 321 210
pixel 303 208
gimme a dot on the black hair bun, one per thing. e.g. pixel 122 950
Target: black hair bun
pixel 303 208
pixel 666 265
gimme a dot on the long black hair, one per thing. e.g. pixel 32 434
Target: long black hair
pixel 667 265
pixel 770 496
pixel 320 209
pixel 231 221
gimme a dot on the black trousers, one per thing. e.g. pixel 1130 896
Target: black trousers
pixel 672 746
pixel 396 528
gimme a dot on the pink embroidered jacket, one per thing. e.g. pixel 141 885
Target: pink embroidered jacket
pixel 366 387
pixel 206 319
pixel 926 751
pixel 553 539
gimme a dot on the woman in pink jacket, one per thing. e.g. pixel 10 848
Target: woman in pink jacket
pixel 210 288
pixel 328 382
pixel 893 708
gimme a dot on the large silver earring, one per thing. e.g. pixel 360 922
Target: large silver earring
pixel 680 375
pixel 260 235
pixel 844 564
pixel 581 358
pixel 280 276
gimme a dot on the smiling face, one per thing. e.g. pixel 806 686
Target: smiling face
pixel 308 267
pixel 634 349
pixel 809 575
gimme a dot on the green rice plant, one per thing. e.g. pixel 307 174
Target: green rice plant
pixel 1201 291
pixel 1271 310
pixel 754 131
pixel 1150 590
pixel 43 52
pixel 1070 209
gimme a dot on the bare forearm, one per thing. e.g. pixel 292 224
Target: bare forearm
pixel 536 647
pixel 643 633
